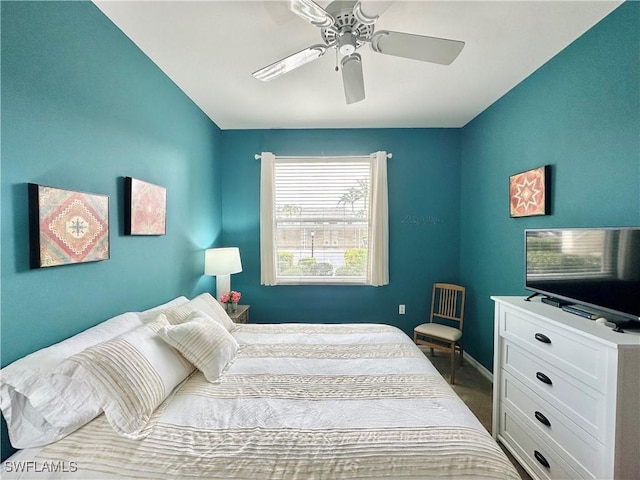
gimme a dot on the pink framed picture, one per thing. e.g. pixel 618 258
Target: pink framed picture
pixel 529 193
pixel 66 226
pixel 145 208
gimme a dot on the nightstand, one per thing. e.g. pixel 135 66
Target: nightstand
pixel 241 315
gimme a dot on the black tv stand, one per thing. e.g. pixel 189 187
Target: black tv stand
pixel 533 295
pixel 548 300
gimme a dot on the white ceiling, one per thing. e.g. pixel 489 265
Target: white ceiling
pixel 210 48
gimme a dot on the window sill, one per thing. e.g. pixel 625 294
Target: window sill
pixel 346 281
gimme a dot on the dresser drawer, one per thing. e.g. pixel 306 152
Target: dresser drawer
pixel 532 450
pixel 582 404
pixel 580 357
pixel 553 427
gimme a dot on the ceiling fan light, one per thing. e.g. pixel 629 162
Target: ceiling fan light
pixel 311 12
pixel 347 43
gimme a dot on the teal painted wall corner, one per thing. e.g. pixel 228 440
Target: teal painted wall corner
pixel 579 113
pixel 82 107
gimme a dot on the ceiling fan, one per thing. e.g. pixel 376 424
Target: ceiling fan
pixel 347 26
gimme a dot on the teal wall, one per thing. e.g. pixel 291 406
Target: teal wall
pixel 579 113
pixel 424 182
pixel 83 107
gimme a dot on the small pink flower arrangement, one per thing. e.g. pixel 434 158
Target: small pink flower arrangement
pixel 231 297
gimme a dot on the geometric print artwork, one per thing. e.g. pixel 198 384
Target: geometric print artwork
pixel 145 208
pixel 67 226
pixel 529 193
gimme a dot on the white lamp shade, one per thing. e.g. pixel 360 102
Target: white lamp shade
pixel 222 261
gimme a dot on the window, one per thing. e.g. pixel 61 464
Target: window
pixel 323 220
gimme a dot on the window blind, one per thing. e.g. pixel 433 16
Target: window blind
pixel 320 212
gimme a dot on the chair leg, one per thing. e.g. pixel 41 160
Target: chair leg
pixel 461 354
pixel 453 364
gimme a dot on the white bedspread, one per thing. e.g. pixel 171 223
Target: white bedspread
pixel 300 401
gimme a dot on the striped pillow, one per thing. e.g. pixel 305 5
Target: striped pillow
pixel 130 376
pixel 204 303
pixel 204 342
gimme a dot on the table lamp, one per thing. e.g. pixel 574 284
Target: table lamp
pixel 221 263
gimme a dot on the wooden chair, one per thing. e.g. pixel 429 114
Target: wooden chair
pixel 447 302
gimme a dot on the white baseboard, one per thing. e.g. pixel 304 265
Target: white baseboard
pixel 481 368
pixel 472 361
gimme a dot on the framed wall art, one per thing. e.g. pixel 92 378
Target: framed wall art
pixel 529 192
pixel 66 226
pixel 145 208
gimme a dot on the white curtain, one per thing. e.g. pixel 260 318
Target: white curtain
pixel 267 250
pixel 378 265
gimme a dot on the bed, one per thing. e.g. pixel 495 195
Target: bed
pixel 282 401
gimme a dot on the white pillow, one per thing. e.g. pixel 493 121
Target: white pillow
pixel 205 343
pixel 202 303
pixel 128 377
pixel 26 386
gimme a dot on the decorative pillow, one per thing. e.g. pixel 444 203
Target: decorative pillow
pixel 128 376
pixel 205 343
pixel 27 387
pixel 202 303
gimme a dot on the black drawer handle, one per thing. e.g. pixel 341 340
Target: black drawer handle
pixel 542 419
pixel 541 337
pixel 541 459
pixel 543 378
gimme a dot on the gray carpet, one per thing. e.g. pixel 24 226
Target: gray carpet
pixel 476 391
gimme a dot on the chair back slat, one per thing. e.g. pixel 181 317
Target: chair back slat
pixel 447 301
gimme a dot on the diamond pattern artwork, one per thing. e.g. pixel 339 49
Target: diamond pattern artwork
pixel 145 208
pixel 528 193
pixel 67 226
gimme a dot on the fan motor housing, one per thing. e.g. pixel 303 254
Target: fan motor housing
pixel 350 31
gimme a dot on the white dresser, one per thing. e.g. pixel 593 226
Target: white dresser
pixel 566 392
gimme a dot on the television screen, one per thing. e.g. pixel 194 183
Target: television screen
pixel 597 267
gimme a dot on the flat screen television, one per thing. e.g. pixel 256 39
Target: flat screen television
pixel 595 267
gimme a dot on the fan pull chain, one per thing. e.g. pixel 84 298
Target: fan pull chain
pixel 337 69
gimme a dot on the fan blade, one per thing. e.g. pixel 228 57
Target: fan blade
pixel 290 63
pixel 311 12
pixel 352 78
pixel 416 47
pixel 368 12
pixel 278 10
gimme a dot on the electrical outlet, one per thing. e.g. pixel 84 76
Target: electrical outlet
pixel 401 309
